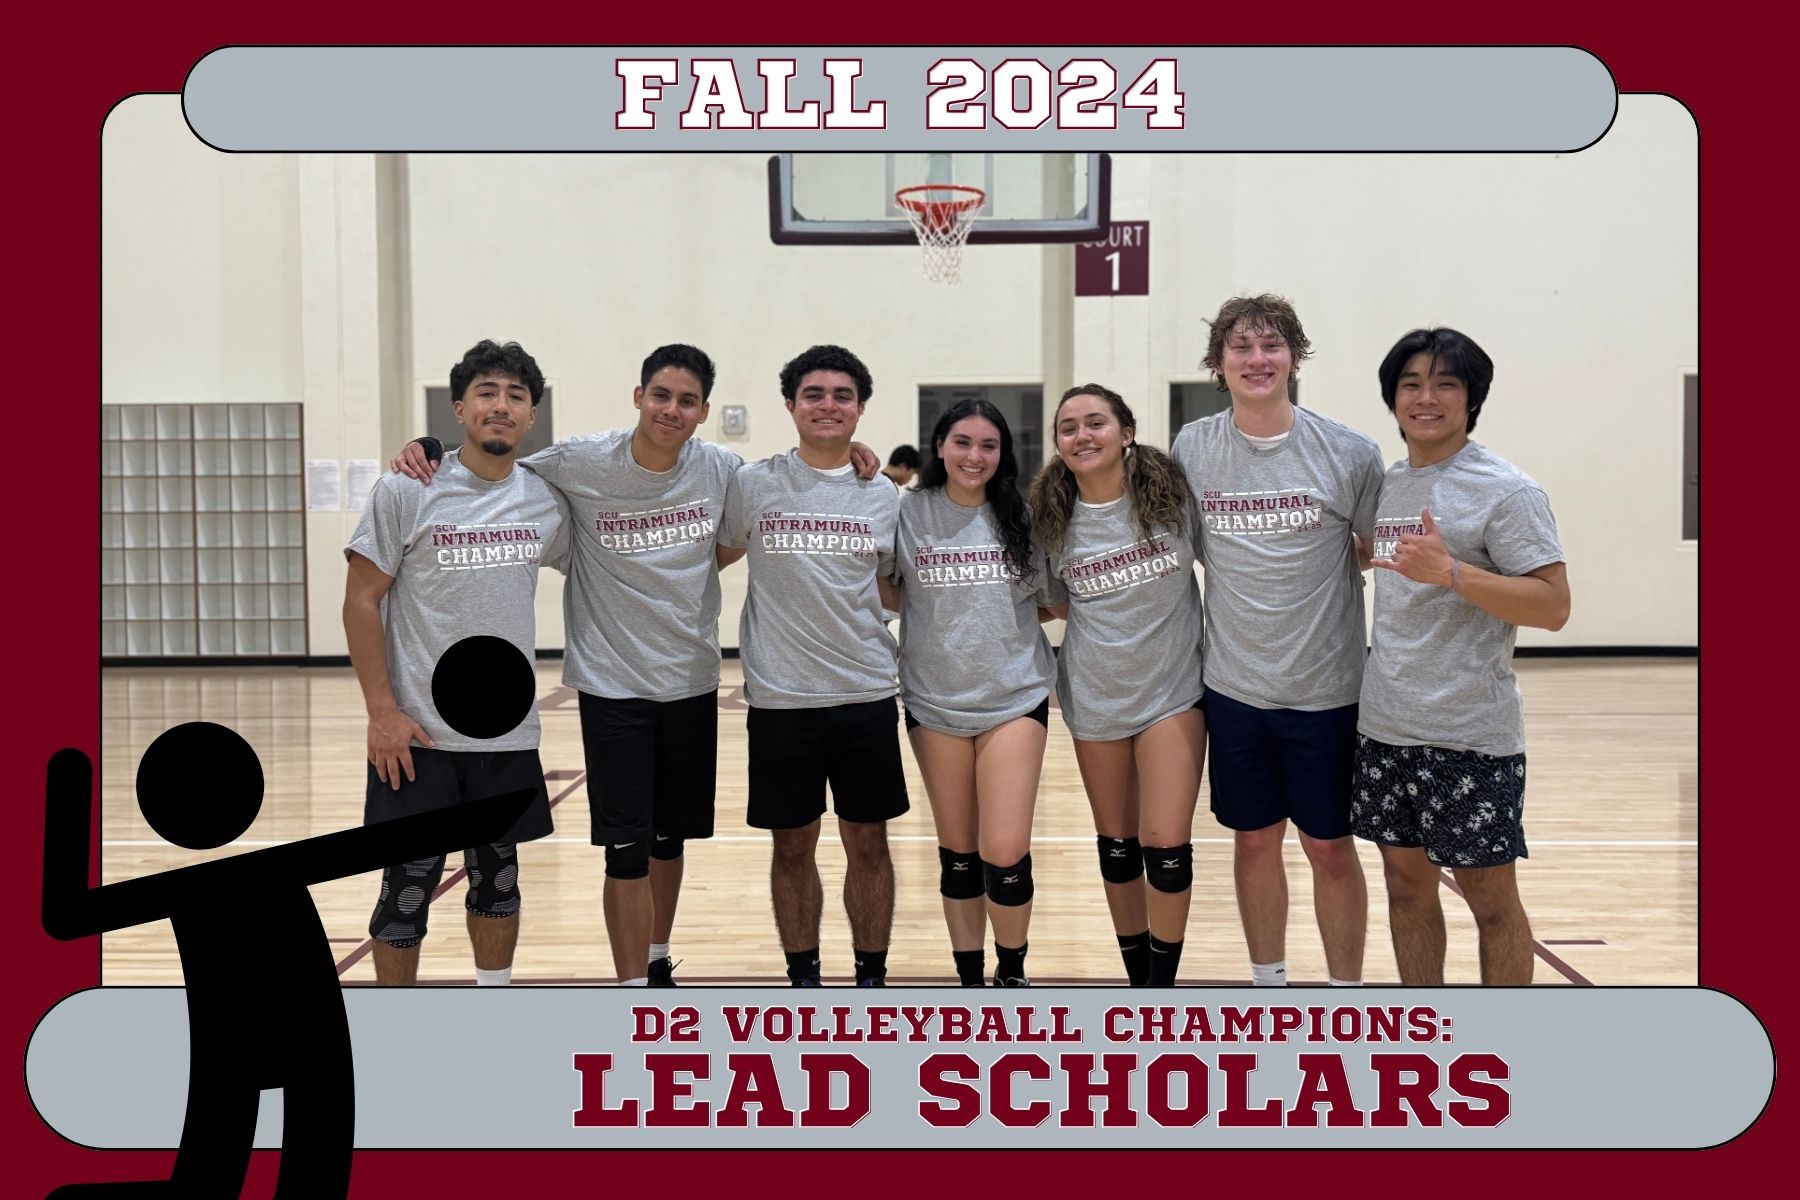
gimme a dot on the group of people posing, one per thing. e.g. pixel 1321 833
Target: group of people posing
pixel 1415 743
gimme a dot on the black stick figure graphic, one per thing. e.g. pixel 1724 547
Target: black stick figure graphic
pixel 265 1008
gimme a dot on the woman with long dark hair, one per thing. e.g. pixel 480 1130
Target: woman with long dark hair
pixel 975 677
pixel 1119 526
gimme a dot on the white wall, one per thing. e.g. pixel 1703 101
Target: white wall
pixel 1578 273
pixel 244 278
pixel 247 277
pixel 200 273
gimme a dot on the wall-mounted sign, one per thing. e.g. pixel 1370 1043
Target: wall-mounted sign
pixel 1118 266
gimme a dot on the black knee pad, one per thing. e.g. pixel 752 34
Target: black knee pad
pixel 959 875
pixel 1009 887
pixel 401 912
pixel 1121 859
pixel 630 860
pixel 493 880
pixel 1171 868
pixel 667 849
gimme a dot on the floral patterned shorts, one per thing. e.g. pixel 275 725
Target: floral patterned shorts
pixel 1464 808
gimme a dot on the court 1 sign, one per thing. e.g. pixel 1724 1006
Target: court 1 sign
pixel 1118 266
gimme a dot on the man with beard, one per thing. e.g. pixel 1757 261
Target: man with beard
pixel 428 568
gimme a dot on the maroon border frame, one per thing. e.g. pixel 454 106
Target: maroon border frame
pixel 65 78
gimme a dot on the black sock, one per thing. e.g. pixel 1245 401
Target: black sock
pixel 803 964
pixel 871 964
pixel 1165 959
pixel 971 965
pixel 1134 948
pixel 1010 962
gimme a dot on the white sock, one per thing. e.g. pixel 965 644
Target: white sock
pixel 658 950
pixel 640 981
pixel 1269 974
pixel 1336 982
pixel 500 978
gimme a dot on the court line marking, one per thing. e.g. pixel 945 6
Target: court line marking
pixel 1447 877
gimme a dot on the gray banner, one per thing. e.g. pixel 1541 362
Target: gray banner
pixel 1546 1067
pixel 1236 98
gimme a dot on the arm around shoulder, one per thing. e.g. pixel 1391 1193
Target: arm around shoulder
pixel 418 459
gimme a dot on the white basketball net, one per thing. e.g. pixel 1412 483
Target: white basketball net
pixel 941 217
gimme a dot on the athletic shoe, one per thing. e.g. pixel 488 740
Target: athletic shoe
pixel 1012 981
pixel 662 972
pixel 805 981
pixel 880 983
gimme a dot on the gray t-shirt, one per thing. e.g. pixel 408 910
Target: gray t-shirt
pixel 972 652
pixel 1131 652
pixel 641 606
pixel 812 634
pixel 1284 595
pixel 464 555
pixel 1441 673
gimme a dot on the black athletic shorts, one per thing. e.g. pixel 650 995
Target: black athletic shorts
pixel 796 752
pixel 651 767
pixel 1271 764
pixel 1040 714
pixel 1464 807
pixel 447 778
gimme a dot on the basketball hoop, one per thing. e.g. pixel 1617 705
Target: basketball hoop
pixel 941 215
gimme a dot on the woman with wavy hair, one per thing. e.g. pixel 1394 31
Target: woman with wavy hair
pixel 1120 529
pixel 975 677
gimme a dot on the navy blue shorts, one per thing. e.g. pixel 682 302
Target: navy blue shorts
pixel 1464 807
pixel 1273 764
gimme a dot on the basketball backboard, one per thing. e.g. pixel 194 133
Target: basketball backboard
pixel 848 199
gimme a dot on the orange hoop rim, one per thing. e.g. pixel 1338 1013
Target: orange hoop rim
pixel 940 214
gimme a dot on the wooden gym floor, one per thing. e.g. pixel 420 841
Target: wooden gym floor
pixel 1610 817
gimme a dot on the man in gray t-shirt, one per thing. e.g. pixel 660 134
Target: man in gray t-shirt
pixel 428 569
pixel 819 664
pixel 1467 551
pixel 1283 493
